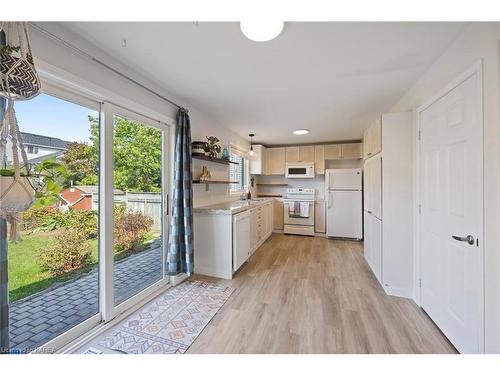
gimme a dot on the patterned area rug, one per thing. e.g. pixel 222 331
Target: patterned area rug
pixel 171 322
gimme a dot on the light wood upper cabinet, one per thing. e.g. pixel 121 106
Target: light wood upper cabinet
pixel 333 152
pixel 372 140
pixel 275 157
pixel 292 154
pixel 306 154
pixel 352 151
pixel 278 206
pixel 319 159
pixel 300 154
pixel 258 164
pixel 320 216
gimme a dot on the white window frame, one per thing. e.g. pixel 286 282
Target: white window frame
pixel 66 86
pixel 245 185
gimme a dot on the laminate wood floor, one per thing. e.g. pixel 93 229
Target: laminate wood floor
pixel 314 295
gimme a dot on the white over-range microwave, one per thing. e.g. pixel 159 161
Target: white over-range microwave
pixel 299 170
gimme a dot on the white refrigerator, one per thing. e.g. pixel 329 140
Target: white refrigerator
pixel 344 203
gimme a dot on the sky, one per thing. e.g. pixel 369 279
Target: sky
pixel 53 117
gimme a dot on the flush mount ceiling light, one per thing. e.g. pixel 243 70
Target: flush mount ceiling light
pixel 300 131
pixel 261 31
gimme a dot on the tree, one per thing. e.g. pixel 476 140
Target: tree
pixel 54 177
pixel 80 160
pixel 137 151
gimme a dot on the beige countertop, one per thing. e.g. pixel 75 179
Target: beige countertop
pixel 231 208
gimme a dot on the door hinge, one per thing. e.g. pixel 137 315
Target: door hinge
pixel 420 283
pixel 420 209
pixel 419 135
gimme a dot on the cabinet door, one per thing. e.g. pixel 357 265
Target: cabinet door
pixel 376 246
pixel 276 160
pixel 376 187
pixel 270 218
pixel 319 159
pixel 319 216
pixel 367 237
pixel 352 151
pixel 306 154
pixel 366 144
pixel 292 154
pixel 333 152
pixel 258 160
pixel 278 214
pixel 376 137
pixel 253 230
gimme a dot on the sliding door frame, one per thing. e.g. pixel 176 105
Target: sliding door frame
pixel 66 86
pixel 109 310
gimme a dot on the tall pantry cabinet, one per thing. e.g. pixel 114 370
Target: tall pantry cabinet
pixel 388 202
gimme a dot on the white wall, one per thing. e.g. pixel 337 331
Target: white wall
pixel 478 41
pixel 53 58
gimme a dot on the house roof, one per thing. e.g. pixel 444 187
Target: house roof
pixel 94 189
pixel 44 141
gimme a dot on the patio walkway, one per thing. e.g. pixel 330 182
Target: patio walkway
pixel 38 319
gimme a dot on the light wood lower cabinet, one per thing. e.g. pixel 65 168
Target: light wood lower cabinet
pixel 261 225
pixel 320 216
pixel 278 214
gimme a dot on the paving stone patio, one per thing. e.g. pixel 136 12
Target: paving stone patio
pixel 38 319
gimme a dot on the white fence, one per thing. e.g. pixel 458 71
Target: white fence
pixel 149 204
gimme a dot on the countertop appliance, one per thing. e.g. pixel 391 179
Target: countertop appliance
pixel 241 239
pixel 298 211
pixel 344 202
pixel 299 170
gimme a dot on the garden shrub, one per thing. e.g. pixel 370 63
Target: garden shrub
pixel 69 251
pixel 38 217
pixel 85 221
pixel 49 218
pixel 130 228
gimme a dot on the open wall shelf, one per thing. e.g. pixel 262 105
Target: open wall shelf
pixel 214 160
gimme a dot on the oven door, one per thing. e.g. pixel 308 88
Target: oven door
pixel 296 220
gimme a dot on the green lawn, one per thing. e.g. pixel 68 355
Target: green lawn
pixel 25 275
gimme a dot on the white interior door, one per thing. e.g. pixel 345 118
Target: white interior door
pixel 451 252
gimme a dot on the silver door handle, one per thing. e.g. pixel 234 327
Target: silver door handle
pixel 469 239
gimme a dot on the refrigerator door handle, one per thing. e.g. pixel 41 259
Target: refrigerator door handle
pixel 330 199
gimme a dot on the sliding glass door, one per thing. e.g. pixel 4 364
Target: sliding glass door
pixel 94 241
pixel 138 207
pixel 53 271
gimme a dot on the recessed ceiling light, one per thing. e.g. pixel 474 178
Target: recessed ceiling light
pixel 261 31
pixel 300 131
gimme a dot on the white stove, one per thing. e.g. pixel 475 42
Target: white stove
pixel 299 194
pixel 299 211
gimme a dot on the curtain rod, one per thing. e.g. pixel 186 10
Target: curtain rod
pixel 103 64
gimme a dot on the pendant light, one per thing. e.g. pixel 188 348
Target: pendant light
pixel 251 144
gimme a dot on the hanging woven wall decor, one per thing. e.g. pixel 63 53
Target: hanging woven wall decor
pixel 18 81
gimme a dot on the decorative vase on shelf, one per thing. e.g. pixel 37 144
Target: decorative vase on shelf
pixel 198 148
pixel 205 174
pixel 225 153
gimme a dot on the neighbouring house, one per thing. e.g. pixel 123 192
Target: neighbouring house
pixel 39 147
pixel 81 197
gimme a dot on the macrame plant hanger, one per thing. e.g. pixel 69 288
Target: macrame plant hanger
pixel 18 81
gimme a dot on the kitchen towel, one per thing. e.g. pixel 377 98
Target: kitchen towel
pixel 304 209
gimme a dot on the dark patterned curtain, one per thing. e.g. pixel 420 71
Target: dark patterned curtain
pixel 180 241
